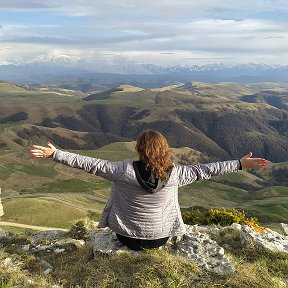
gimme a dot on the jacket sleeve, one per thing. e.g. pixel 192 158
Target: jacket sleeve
pixel 191 173
pixel 104 168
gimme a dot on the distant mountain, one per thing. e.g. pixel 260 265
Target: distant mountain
pixel 60 66
pixel 56 59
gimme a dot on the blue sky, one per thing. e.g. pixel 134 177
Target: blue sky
pixel 163 32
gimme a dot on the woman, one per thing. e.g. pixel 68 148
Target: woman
pixel 143 207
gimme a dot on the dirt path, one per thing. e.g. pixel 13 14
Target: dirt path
pixel 39 228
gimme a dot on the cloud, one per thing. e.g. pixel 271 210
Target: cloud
pixel 27 4
pixel 172 30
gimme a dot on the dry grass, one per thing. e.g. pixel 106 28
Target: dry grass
pixel 254 268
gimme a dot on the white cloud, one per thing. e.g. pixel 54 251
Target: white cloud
pixel 152 31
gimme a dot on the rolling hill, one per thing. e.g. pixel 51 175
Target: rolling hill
pixel 203 121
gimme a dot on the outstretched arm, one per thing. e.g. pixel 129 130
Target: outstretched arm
pixel 191 173
pixel 104 168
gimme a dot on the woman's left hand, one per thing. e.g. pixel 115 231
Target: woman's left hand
pixel 247 162
pixel 43 152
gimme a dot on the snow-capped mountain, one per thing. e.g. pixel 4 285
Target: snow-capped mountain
pixel 212 67
pixel 57 64
pixel 57 59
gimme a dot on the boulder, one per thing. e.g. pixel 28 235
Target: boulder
pixel 268 239
pixel 196 246
pixel 205 252
pixel 48 235
pixel 107 243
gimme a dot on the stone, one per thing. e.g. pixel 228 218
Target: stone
pixel 45 264
pixel 235 226
pixel 268 239
pixel 26 247
pixel 209 254
pixel 285 228
pixel 47 235
pixel 196 246
pixel 47 271
pixel 59 250
pixel 107 243
pixel 2 234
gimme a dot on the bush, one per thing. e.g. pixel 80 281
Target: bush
pixel 222 217
pixel 78 231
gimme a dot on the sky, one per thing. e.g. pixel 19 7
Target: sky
pixel 162 32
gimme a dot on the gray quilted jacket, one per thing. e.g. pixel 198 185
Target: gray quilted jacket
pixel 132 211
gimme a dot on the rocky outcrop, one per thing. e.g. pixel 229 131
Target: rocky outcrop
pixel 194 245
pixel 285 228
pixel 206 253
pixel 267 238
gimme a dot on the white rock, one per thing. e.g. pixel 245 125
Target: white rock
pixel 269 239
pixel 209 254
pixel 235 226
pixel 285 228
pixel 59 250
pixel 47 235
pixel 196 246
pixel 2 234
pixel 7 261
pixel 47 271
pixel 26 247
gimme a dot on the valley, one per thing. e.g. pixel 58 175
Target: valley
pixel 204 122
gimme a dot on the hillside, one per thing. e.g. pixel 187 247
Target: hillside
pixel 210 121
pixel 213 115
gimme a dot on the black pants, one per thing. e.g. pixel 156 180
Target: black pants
pixel 140 244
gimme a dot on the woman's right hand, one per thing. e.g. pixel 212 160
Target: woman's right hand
pixel 43 152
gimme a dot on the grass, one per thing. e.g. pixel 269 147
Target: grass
pixel 73 185
pixel 254 268
pixel 114 152
pixel 49 213
pixel 33 170
pixel 3 127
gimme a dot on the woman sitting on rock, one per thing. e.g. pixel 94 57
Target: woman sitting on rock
pixel 143 208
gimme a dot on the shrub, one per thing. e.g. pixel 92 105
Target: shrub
pixel 78 231
pixel 222 217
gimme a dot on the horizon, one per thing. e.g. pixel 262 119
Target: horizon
pixel 135 32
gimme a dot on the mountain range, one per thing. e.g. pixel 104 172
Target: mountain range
pixel 59 65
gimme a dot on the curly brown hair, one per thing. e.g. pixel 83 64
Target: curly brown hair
pixel 154 151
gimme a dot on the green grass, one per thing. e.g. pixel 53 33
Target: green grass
pixel 114 152
pixel 275 212
pixel 5 126
pixel 41 212
pixel 33 170
pixel 70 185
pixel 271 192
pixel 211 194
pixel 36 97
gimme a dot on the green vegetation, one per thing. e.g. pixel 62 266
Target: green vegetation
pixel 115 152
pixel 72 185
pixel 222 217
pixel 49 213
pixel 5 126
pixel 40 171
